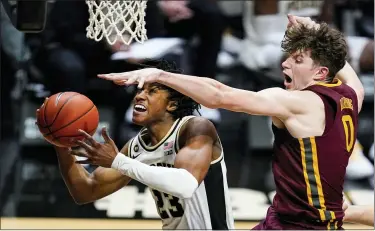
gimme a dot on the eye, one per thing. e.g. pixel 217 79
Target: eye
pixel 152 90
pixel 299 60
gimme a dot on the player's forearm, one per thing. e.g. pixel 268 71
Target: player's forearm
pixel 174 181
pixel 205 91
pixel 348 76
pixel 360 214
pixel 76 178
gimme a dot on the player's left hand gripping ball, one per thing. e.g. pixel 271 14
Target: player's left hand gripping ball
pixel 95 152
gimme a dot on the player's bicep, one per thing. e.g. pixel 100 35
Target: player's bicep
pixel 268 102
pixel 196 154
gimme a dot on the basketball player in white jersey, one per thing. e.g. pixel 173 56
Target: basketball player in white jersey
pixel 179 156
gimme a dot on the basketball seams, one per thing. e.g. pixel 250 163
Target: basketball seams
pixel 66 125
pixel 60 125
pixel 58 112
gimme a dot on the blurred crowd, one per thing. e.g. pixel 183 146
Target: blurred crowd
pixel 219 37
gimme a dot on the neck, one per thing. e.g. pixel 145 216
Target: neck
pixel 159 130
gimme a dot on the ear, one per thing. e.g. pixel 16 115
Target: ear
pixel 321 74
pixel 172 105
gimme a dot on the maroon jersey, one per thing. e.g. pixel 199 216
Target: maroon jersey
pixel 309 172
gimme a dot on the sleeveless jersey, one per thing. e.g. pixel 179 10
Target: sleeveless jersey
pixel 309 172
pixel 208 208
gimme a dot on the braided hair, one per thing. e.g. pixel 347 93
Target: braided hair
pixel 185 105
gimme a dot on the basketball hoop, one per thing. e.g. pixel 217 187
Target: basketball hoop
pixel 115 19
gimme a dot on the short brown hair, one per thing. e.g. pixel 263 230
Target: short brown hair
pixel 328 46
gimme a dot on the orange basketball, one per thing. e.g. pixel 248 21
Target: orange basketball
pixel 61 116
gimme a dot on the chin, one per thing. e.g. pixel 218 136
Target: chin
pixel 139 121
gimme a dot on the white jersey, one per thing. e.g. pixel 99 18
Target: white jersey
pixel 208 208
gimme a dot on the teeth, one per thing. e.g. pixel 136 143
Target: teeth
pixel 138 106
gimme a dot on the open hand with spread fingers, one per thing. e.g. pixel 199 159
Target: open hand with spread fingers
pixel 95 152
pixel 140 77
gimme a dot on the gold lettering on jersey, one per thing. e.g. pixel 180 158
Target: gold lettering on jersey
pixel 346 103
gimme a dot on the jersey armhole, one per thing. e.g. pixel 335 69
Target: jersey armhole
pixel 130 148
pixel 329 106
pixel 355 98
pixel 176 144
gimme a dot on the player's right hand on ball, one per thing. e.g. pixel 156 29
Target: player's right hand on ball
pixel 58 149
pixel 37 110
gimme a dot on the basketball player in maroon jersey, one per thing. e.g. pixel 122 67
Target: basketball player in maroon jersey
pixel 314 121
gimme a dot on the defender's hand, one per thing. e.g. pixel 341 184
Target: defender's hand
pixel 296 21
pixel 97 153
pixel 175 10
pixel 140 77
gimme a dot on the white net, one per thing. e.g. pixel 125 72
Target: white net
pixel 117 19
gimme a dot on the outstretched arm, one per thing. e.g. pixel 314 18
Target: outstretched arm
pixel 213 94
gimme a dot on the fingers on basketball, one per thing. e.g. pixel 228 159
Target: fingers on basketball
pixel 38 110
pixel 88 138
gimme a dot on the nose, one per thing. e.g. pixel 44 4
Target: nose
pixel 285 64
pixel 141 95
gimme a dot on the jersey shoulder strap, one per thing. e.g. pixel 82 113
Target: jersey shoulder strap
pixel 134 148
pixel 184 120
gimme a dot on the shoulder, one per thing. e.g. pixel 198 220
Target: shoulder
pixel 308 101
pixel 197 126
pixel 286 96
pixel 125 148
pixel 305 95
pixel 283 94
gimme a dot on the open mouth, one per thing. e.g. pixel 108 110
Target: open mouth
pixel 287 78
pixel 140 108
